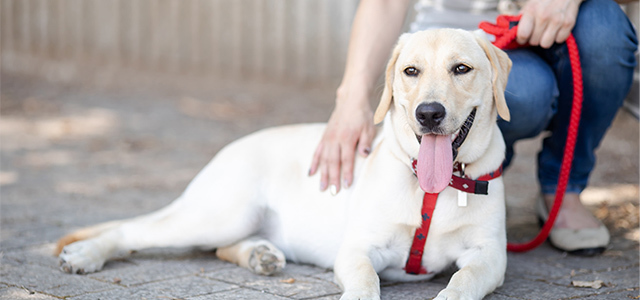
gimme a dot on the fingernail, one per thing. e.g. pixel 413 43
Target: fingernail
pixel 323 186
pixel 333 189
pixel 367 151
pixel 345 184
pixel 309 174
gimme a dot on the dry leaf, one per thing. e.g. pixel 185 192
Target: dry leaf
pixel 289 280
pixel 596 284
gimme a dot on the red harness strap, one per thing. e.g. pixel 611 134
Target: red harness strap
pixel 414 263
pixel 463 183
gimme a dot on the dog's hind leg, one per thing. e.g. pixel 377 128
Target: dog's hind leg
pixel 255 254
pixel 181 224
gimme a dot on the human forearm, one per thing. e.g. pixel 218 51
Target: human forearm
pixel 376 27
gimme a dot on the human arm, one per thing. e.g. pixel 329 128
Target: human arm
pixel 376 27
pixel 545 22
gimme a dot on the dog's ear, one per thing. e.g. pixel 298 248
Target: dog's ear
pixel 387 93
pixel 501 65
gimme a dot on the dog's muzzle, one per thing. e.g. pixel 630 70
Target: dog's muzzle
pixel 462 132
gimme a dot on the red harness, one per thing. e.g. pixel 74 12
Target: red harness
pixel 463 183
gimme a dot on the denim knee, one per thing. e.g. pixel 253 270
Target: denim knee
pixel 607 42
pixel 531 93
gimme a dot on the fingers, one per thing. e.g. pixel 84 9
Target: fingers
pixel 350 124
pixel 347 158
pixel 330 158
pixel 316 159
pixel 365 141
pixel 335 159
pixel 567 26
pixel 327 160
pixel 537 30
pixel 547 22
pixel 333 165
pixel 548 37
pixel 525 28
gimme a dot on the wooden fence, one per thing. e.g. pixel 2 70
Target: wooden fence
pixel 290 40
pixel 276 40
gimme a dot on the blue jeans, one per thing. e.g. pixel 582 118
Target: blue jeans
pixel 540 91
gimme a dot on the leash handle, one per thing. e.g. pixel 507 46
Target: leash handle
pixel 505 31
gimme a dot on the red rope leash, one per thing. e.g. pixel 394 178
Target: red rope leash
pixel 505 31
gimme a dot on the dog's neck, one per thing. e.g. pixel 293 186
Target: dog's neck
pixel 489 160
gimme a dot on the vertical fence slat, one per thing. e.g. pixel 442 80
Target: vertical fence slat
pixel 7 10
pixel 216 37
pixel 258 11
pixel 323 57
pixel 27 25
pixel 194 31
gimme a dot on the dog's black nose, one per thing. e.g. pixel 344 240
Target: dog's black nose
pixel 430 115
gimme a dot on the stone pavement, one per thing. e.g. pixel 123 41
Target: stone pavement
pixel 72 156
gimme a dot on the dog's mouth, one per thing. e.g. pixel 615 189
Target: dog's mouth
pixel 458 137
pixel 436 156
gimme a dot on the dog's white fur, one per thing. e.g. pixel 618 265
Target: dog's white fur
pixel 255 203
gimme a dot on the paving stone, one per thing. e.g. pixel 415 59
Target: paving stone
pixel 599 263
pixel 497 296
pixel 14 293
pixel 148 267
pixel 41 255
pixel 239 294
pixel 180 288
pixel 536 267
pixel 617 295
pixel 538 290
pixel 613 280
pixel 326 276
pixel 301 287
pixel 413 290
pixel 328 297
pixel 45 280
pixel 304 269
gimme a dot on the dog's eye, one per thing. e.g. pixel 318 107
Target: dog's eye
pixel 411 71
pixel 461 69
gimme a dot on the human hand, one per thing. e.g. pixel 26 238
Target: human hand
pixel 544 22
pixel 350 126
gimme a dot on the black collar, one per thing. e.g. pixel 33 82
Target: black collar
pixel 464 130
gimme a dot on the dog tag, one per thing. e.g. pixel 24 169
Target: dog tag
pixel 462 198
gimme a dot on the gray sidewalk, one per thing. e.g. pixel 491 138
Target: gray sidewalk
pixel 74 156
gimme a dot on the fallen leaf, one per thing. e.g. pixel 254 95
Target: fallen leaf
pixel 289 280
pixel 596 284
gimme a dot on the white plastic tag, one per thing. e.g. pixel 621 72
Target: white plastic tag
pixel 462 198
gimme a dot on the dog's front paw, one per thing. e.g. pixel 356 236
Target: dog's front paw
pixel 81 258
pixel 451 294
pixel 360 295
pixel 265 260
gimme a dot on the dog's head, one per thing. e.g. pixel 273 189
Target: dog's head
pixel 435 81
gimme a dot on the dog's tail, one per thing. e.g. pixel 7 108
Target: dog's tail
pixel 83 234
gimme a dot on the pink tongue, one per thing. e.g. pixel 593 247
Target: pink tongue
pixel 435 163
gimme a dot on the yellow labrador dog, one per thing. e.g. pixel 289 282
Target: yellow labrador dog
pixel 255 203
